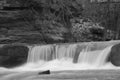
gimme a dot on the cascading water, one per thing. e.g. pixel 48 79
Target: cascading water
pixel 61 57
pixel 43 53
pixel 65 51
pixel 94 58
pixel 51 52
pixel 83 56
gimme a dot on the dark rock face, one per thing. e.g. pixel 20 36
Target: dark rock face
pixel 13 55
pixel 114 56
pixel 77 53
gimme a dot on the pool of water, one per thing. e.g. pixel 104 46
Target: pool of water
pixel 63 75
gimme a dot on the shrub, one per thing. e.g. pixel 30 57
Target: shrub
pixel 86 30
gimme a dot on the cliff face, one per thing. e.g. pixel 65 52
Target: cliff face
pixel 18 24
pixel 35 22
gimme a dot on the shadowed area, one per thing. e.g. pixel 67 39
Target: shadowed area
pixel 13 55
pixel 114 56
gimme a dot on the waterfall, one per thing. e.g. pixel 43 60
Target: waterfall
pixel 96 58
pixel 50 52
pixel 63 57
pixel 102 58
pixel 41 53
pixel 65 51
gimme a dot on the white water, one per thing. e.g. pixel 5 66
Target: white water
pixel 61 57
pixel 40 53
pixel 65 52
pixel 95 58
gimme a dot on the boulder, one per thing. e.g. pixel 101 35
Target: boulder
pixel 114 56
pixel 13 55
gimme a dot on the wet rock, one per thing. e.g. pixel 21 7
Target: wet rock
pixel 44 72
pixel 13 55
pixel 77 53
pixel 114 56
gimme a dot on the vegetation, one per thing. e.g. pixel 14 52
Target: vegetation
pixel 86 30
pixel 62 21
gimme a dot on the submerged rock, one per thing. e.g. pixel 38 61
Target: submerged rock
pixel 44 72
pixel 114 56
pixel 13 55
